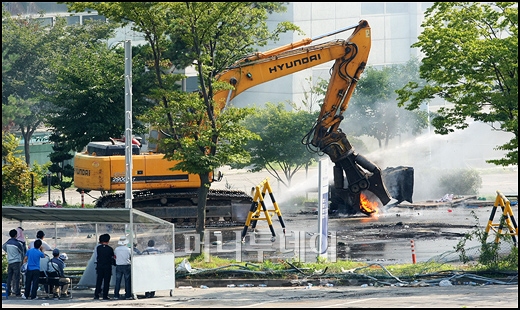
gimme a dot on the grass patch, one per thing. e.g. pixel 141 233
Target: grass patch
pixel 216 268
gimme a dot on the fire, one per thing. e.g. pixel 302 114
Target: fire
pixel 367 206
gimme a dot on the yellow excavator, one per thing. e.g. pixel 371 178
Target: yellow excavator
pixel 172 195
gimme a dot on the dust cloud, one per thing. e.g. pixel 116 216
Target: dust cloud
pixel 432 155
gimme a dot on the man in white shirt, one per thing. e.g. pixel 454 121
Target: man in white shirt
pixel 123 268
pixel 45 246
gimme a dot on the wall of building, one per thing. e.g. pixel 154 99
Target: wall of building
pixel 39 146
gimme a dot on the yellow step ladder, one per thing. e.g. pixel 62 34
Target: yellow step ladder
pixel 507 219
pixel 258 207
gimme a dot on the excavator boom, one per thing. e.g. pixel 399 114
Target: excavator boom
pixel 288 59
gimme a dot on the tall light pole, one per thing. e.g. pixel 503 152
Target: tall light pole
pixel 49 186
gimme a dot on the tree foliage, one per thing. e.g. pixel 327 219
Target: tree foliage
pixel 19 183
pixel 471 61
pixel 373 110
pixel 280 147
pixel 87 88
pixel 220 33
pixel 62 173
pixel 26 46
pixel 460 182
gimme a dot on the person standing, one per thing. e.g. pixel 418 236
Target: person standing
pixel 15 255
pixel 32 257
pixel 20 237
pixel 40 235
pixel 104 262
pixel 123 268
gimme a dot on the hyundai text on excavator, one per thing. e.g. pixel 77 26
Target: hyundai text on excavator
pixel 172 195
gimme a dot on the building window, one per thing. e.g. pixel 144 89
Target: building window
pixel 396 7
pixel 93 17
pixel 72 20
pixel 372 8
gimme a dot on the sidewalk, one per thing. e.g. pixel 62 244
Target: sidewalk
pixel 456 296
pixel 71 195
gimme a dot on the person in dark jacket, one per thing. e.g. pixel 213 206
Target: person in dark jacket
pixel 15 255
pixel 104 261
pixel 58 260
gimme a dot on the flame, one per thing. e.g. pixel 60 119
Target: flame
pixel 367 206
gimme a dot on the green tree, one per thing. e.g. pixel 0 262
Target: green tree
pixel 460 182
pixel 62 173
pixel 86 87
pixel 471 61
pixel 280 147
pixel 19 183
pixel 372 110
pixel 152 19
pixel 219 33
pixel 26 45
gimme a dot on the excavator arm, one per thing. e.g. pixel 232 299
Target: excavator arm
pixel 353 173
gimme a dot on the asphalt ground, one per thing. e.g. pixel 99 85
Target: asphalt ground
pixel 456 296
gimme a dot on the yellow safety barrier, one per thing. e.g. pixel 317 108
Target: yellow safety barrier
pixel 507 218
pixel 258 207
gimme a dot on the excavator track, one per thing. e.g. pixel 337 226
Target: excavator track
pixel 223 207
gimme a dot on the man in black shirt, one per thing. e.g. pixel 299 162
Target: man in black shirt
pixel 104 261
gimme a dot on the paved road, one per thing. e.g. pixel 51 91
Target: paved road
pixel 458 296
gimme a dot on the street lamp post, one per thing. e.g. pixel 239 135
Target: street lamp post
pixel 49 186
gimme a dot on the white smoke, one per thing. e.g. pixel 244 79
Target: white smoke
pixel 432 155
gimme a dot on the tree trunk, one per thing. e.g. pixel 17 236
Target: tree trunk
pixel 63 202
pixel 27 133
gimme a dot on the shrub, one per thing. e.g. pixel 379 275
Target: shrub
pixel 461 182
